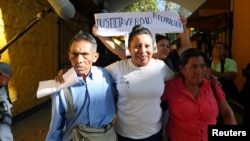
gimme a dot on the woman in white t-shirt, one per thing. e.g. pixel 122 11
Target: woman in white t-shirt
pixel 140 84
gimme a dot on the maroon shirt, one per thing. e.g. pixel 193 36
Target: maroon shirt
pixel 189 117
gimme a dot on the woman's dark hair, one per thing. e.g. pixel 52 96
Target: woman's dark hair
pixel 138 29
pixel 86 37
pixel 191 52
pixel 159 37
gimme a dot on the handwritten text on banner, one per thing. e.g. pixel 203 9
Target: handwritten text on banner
pixel 115 24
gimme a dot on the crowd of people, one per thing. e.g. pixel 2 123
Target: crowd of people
pixel 138 97
pixel 144 97
pixel 132 94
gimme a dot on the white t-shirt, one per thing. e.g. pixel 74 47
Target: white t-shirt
pixel 139 92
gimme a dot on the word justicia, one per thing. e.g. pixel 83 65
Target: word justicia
pixel 118 22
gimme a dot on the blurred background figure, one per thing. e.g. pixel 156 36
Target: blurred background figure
pixel 225 69
pixel 5 103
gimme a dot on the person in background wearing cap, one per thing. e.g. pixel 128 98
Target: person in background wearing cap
pixel 5 103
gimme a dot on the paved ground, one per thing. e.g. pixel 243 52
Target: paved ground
pixel 33 127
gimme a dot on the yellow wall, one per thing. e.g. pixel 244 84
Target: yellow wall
pixel 241 37
pixel 33 57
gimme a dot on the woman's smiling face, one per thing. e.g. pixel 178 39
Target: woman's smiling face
pixel 141 49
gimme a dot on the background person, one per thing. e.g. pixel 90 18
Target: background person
pixel 164 51
pixel 5 103
pixel 244 97
pixel 225 69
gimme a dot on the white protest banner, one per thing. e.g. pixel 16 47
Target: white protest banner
pixel 121 24
pixel 117 24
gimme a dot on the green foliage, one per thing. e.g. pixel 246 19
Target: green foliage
pixel 142 6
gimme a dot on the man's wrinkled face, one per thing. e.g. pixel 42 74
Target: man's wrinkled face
pixel 82 56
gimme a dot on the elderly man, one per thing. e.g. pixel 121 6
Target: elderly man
pixel 92 97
